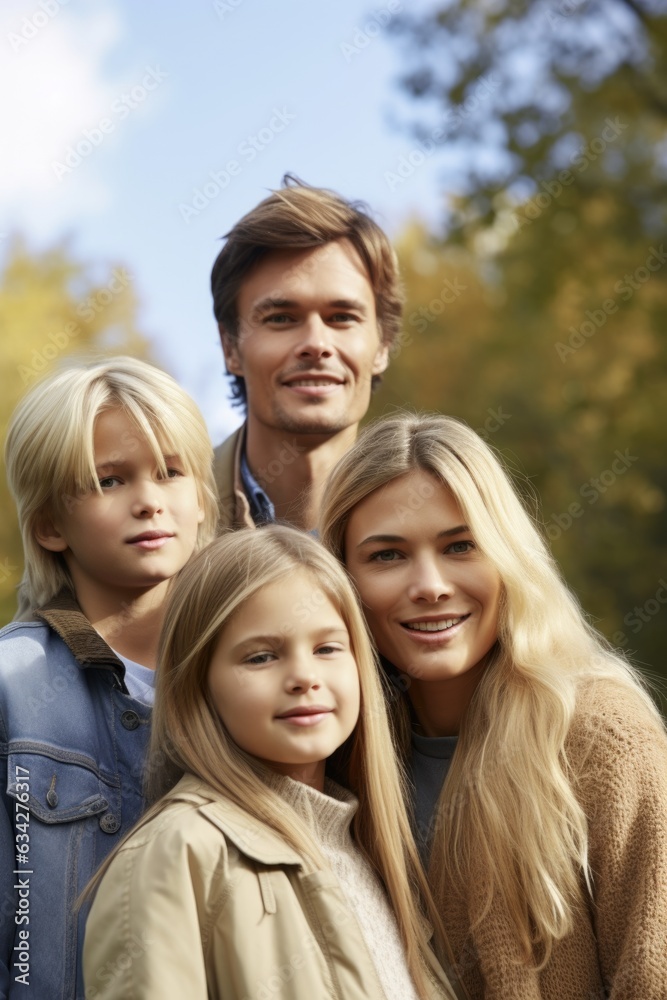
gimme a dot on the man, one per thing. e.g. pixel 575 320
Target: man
pixel 307 298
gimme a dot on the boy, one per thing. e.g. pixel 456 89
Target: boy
pixel 110 468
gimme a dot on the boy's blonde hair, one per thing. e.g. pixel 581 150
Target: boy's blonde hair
pixel 188 735
pixel 50 457
pixel 509 800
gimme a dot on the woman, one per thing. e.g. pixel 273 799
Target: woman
pixel 546 839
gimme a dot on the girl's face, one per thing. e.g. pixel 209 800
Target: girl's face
pixel 430 597
pixel 284 680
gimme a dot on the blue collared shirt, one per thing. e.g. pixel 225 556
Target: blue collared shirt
pixel 261 507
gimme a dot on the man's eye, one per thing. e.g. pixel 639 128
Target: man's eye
pixel 343 318
pixel 278 319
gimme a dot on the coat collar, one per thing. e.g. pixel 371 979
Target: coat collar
pixel 63 614
pixel 251 836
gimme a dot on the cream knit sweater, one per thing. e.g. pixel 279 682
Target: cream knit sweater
pixel 329 816
pixel 618 949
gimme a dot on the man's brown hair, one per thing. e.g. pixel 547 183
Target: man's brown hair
pixel 299 217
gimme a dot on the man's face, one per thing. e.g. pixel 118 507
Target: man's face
pixel 308 341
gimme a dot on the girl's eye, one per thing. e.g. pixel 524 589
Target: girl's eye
pixel 458 548
pixel 258 659
pixel 174 473
pixel 108 482
pixel 329 648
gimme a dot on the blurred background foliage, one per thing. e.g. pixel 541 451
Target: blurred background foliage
pixel 538 311
pixel 52 306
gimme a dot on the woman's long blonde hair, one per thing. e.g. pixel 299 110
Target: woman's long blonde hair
pixel 508 801
pixel 188 736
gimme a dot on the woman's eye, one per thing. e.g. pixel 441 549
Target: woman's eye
pixel 458 548
pixel 385 555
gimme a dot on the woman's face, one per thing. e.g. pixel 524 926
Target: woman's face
pixel 430 596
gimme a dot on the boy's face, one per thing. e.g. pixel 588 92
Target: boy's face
pixel 309 342
pixel 140 530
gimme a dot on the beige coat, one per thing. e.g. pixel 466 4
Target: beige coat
pixel 234 506
pixel 205 901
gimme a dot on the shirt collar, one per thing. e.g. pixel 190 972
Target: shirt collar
pixel 261 507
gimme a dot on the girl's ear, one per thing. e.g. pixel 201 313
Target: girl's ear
pixel 49 536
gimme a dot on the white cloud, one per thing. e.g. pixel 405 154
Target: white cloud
pixel 51 76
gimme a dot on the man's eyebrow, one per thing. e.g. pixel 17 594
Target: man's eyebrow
pixel 275 302
pixel 272 302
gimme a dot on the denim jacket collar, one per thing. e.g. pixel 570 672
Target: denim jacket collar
pixel 63 614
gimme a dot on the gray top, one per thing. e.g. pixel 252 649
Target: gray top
pixel 429 764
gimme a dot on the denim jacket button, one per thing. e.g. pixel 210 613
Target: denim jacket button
pixel 109 823
pixel 130 720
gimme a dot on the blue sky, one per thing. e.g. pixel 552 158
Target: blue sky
pixel 158 97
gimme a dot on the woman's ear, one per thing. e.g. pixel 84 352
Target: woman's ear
pixel 49 536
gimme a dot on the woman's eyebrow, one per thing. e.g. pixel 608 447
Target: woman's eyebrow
pixel 458 530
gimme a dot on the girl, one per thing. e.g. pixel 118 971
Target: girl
pixel 256 875
pixel 547 835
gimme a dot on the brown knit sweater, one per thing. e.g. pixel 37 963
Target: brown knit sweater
pixel 618 949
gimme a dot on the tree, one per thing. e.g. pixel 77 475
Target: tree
pixel 51 306
pixel 515 91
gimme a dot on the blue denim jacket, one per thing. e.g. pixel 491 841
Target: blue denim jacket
pixel 74 743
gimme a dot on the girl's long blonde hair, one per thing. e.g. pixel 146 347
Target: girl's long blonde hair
pixel 508 801
pixel 188 736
